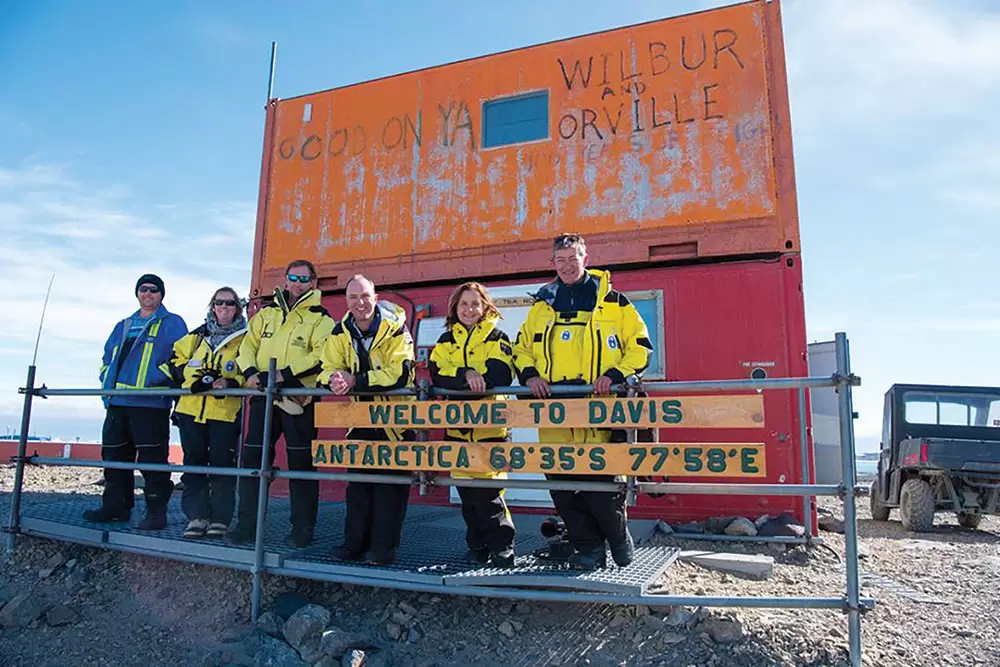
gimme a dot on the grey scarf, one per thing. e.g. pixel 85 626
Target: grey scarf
pixel 218 333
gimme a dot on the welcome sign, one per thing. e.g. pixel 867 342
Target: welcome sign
pixel 739 411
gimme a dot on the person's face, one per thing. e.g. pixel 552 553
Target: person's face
pixel 571 264
pixel 149 296
pixel 224 307
pixel 361 300
pixel 298 281
pixel 470 308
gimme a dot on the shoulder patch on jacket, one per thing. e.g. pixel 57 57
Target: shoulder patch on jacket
pixel 496 335
pixel 506 348
pixel 338 329
pixel 616 296
pixel 446 338
pixel 319 309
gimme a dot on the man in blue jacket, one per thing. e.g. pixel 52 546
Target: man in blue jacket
pixel 137 428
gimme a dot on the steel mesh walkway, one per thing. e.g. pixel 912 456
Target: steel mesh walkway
pixel 432 550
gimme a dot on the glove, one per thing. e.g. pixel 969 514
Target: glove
pixel 203 382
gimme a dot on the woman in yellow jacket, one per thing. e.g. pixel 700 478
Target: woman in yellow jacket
pixel 205 359
pixel 474 355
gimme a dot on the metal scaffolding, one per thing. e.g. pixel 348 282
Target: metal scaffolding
pixel 843 380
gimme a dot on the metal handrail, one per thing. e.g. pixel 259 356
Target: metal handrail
pixel 852 604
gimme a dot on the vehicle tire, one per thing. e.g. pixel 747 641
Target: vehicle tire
pixel 969 519
pixel 879 511
pixel 916 505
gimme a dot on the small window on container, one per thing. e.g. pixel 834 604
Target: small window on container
pixel 649 303
pixel 515 120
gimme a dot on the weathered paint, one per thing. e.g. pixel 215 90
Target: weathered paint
pixel 671 132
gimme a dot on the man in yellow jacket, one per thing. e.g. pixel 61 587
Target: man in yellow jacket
pixel 579 331
pixel 370 350
pixel 291 329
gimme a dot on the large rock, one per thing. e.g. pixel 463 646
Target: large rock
pixel 717 524
pixel 61 615
pixel 723 630
pixel 21 611
pixel 271 624
pixel 831 524
pixel 741 526
pixel 273 652
pixel 753 566
pixel 304 629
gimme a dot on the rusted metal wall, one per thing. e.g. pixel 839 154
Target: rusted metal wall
pixel 666 140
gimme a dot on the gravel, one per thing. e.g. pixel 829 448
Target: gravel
pixel 95 607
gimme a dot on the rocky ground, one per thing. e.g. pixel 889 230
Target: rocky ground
pixel 937 604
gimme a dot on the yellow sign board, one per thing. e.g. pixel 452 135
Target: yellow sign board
pixel 740 411
pixel 667 459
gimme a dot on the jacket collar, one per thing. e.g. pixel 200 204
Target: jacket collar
pixel 311 298
pixel 547 292
pixel 391 317
pixel 480 331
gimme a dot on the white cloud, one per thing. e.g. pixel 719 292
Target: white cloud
pixel 888 61
pixel 97 242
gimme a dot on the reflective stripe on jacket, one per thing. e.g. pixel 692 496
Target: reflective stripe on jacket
pixel 141 367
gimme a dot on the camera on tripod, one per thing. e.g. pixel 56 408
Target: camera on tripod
pixel 558 548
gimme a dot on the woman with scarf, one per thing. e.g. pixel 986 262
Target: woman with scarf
pixel 474 355
pixel 203 360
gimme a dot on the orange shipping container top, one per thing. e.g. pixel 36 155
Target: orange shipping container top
pixel 659 141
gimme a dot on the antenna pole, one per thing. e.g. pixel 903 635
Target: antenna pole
pixel 45 306
pixel 270 78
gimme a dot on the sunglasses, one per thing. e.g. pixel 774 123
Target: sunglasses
pixel 299 279
pixel 150 288
pixel 223 302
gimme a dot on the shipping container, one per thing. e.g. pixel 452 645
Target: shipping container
pixel 667 144
pixel 662 141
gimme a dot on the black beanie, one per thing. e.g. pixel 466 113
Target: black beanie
pixel 153 279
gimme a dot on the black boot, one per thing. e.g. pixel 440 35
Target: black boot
pixel 243 533
pixel 155 519
pixel 300 537
pixel 593 559
pixel 624 552
pixel 502 560
pixel 477 556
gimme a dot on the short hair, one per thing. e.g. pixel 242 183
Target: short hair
pixel 489 308
pixel 294 264
pixel 569 241
pixel 239 301
pixel 358 277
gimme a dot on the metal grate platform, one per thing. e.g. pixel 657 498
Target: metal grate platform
pixel 431 553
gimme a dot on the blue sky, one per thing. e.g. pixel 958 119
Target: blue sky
pixel 130 140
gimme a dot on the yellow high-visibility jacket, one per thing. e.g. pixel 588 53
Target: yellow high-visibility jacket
pixel 486 350
pixel 194 359
pixel 294 335
pixel 390 357
pixel 615 339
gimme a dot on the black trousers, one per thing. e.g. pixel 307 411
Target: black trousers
pixel 488 524
pixel 375 512
pixel 299 432
pixel 591 517
pixel 130 435
pixel 214 443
